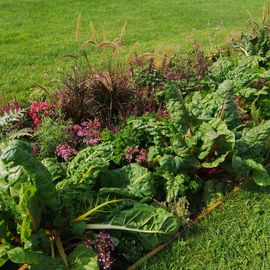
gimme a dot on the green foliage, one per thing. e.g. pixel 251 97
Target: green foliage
pixel 83 258
pixel 213 191
pixel 216 142
pixel 196 136
pixel 218 104
pixel 151 225
pixel 85 167
pixel 132 180
pixel 254 141
pixel 56 169
pixel 258 173
pixel 34 214
pixel 49 134
pixel 177 109
pixel 256 42
pixel 20 166
pixel 10 125
pixel 37 260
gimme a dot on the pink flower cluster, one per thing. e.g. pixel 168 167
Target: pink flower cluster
pixel 87 132
pixel 38 109
pixel 135 154
pixel 65 151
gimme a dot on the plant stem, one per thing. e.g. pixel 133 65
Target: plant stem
pixel 119 227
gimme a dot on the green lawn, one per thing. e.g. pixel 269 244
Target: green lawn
pixel 34 33
pixel 234 236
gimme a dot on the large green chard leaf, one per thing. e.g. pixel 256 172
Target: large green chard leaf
pixel 255 141
pixel 258 173
pixel 131 180
pixel 240 167
pixel 219 70
pixel 219 104
pixel 83 258
pixel 217 142
pixel 175 186
pixel 38 261
pixel 23 203
pixel 4 248
pixel 57 169
pixel 213 191
pixel 30 212
pixel 245 167
pixel 19 165
pixel 177 109
pixel 150 224
pixel 169 163
pixel 243 72
pixel 207 107
pixel 229 112
pixel 86 166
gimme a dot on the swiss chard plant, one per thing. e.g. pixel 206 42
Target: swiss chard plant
pixel 39 221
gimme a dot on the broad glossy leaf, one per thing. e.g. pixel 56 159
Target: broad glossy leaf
pixel 4 248
pixel 83 258
pixel 255 141
pixel 38 261
pixel 57 169
pixel 175 186
pixel 21 166
pixel 240 167
pixel 169 163
pixel 229 111
pixel 217 142
pixel 86 166
pixel 151 225
pixel 132 179
pixel 259 173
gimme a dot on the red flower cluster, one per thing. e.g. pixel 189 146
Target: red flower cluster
pixel 38 109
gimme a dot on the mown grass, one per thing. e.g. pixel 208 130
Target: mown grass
pixel 234 236
pixel 35 33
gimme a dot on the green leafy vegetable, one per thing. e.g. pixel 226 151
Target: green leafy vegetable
pixel 83 258
pixel 37 260
pixel 19 165
pixel 217 142
pixel 133 179
pixel 151 225
pixel 86 166
pixel 57 169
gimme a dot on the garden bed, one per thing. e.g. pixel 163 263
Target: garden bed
pixel 127 153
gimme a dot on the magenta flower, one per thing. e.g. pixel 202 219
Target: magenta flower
pixel 104 247
pixel 35 150
pixel 65 151
pixel 87 133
